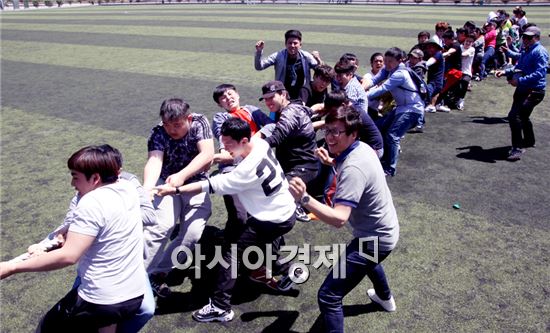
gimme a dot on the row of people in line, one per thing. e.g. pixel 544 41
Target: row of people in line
pixel 181 149
pixel 256 180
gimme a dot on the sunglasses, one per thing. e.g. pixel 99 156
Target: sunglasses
pixel 528 37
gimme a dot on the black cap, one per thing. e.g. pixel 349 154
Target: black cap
pixel 271 88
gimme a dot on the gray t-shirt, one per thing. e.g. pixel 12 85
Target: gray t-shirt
pixel 361 184
pixel 112 269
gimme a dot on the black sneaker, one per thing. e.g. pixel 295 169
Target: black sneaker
pixel 160 289
pixel 210 313
pixel 515 154
pixel 301 214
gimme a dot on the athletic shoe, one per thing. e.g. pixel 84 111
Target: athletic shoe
pixel 417 129
pixel 443 108
pixel 160 289
pixel 429 109
pixel 301 214
pixel 388 305
pixel 260 276
pixel 460 105
pixel 210 313
pixel 515 154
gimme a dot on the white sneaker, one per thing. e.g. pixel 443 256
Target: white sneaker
pixel 460 105
pixel 210 313
pixel 443 108
pixel 388 305
pixel 429 109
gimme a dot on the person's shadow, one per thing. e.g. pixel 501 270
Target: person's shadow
pixel 203 281
pixel 477 153
pixel 349 311
pixel 489 120
pixel 283 322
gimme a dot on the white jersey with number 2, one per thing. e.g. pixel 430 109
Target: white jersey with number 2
pixel 259 182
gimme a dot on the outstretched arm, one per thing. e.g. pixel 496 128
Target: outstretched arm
pixel 75 246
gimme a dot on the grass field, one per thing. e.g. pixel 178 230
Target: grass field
pixel 74 77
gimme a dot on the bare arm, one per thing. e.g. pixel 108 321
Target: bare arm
pixel 449 52
pixel 202 161
pixel 223 157
pixel 336 216
pixel 317 56
pixel 167 189
pixel 75 246
pixel 152 170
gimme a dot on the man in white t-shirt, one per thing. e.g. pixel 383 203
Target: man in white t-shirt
pixel 106 239
pixel 260 184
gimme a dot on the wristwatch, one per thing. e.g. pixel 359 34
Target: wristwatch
pixel 305 199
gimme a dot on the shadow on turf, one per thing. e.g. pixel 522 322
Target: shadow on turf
pixel 283 323
pixel 349 311
pixel 478 153
pixel 202 288
pixel 489 120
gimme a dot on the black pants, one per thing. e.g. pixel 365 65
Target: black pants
pixel 73 314
pixel 525 100
pixel 463 86
pixel 256 233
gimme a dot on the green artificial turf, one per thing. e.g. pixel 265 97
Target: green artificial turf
pixel 79 76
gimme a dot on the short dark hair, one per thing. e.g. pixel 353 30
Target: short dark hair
pixel 325 72
pixel 236 129
pixel 220 90
pixel 424 34
pixel 350 57
pixel 174 108
pixel 335 99
pixel 449 34
pixel 344 66
pixel 461 31
pixel 394 52
pixel 103 160
pixel 348 115
pixel 293 34
pixel 376 54
pixel 469 25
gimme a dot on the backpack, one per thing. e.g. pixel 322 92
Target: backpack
pixel 421 87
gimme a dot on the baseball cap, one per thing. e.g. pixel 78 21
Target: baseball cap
pixel 532 31
pixel 271 88
pixel 417 53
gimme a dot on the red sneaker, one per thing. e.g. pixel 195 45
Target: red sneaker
pixel 260 276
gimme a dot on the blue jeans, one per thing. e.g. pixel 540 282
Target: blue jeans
pixel 333 290
pixel 144 314
pixel 393 126
pixel 488 56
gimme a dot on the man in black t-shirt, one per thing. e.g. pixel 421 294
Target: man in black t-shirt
pixel 314 93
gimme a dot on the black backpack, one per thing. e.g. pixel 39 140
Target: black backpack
pixel 421 86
